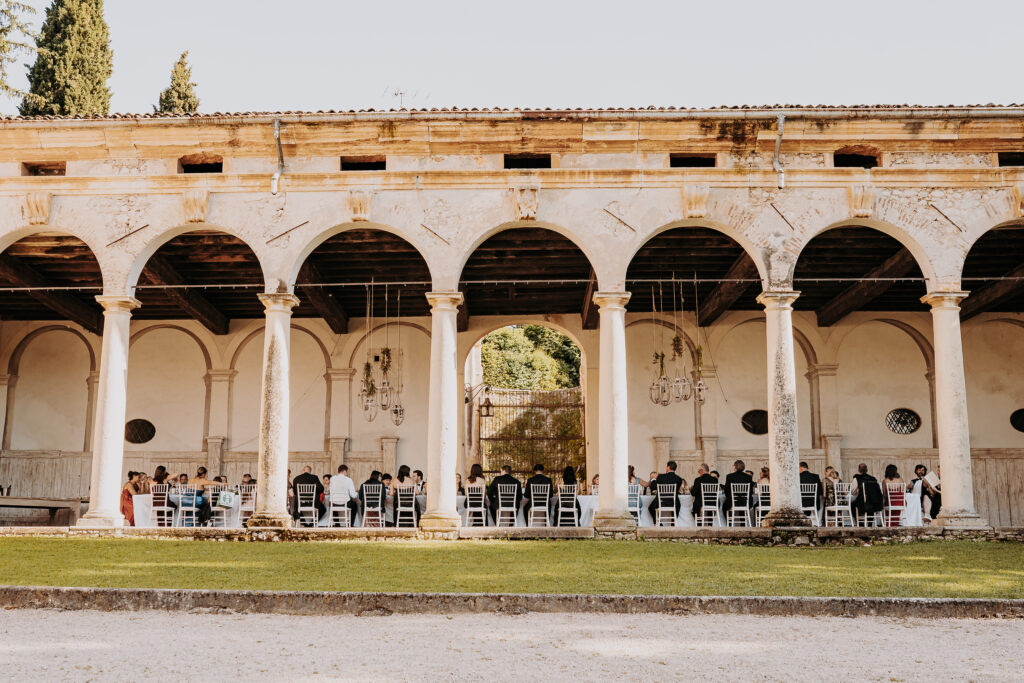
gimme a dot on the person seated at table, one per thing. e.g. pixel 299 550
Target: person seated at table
pixel 932 487
pixel 459 490
pixel 404 478
pixel 568 478
pixel 160 475
pixel 130 488
pixel 538 478
pixel 374 479
pixel 714 473
pixel 505 478
pixel 595 481
pixel 829 482
pixel 808 477
pixel 649 484
pixel 631 477
pixel 737 476
pixel 247 480
pixel 342 489
pixel 865 494
pixel 182 479
pixel 417 478
pixel 697 490
pixel 669 476
pixel 765 478
pixel 326 495
pixel 145 483
pixel 477 471
pixel 308 478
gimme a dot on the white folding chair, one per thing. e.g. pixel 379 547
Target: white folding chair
pixel 764 502
pixel 866 519
pixel 839 514
pixel 540 497
pixel 709 505
pixel 306 503
pixel 373 505
pixel 567 505
pixel 218 515
pixel 895 502
pixel 740 509
pixel 163 512
pixel 246 502
pixel 506 515
pixel 476 509
pixel 666 505
pixel 809 501
pixel 405 505
pixel 633 501
pixel 340 514
pixel 188 506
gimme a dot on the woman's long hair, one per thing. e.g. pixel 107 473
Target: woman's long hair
pixel 891 472
pixel 569 476
pixel 476 471
pixel 403 473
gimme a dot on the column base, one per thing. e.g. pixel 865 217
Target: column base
pixel 440 521
pixel 101 520
pixel 961 520
pixel 612 522
pixel 269 520
pixel 786 517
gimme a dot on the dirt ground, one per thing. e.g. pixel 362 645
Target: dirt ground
pixel 98 646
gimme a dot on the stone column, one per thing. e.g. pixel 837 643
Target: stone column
pixel 218 384
pixel 662 452
pixel 339 391
pixel 442 413
pixel 272 480
pixel 954 439
pixel 108 424
pixel 90 408
pixel 613 417
pixel 825 403
pixel 6 383
pixel 783 444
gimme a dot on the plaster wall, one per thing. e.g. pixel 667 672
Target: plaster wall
pixel 994 368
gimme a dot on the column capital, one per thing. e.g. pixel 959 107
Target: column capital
pixel 279 302
pixel 118 304
pixel 777 299
pixel 444 301
pixel 944 300
pixel 612 300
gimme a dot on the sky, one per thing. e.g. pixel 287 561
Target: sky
pixel 261 55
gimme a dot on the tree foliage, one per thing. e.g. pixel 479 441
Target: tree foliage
pixel 530 357
pixel 180 96
pixel 15 37
pixel 74 61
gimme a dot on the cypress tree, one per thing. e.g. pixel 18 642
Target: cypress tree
pixel 180 96
pixel 15 33
pixel 70 74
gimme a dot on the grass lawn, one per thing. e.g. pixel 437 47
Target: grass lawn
pixel 927 569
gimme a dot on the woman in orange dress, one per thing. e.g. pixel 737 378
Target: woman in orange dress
pixel 131 488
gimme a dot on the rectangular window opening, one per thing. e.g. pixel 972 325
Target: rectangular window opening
pixel 363 164
pixel 211 167
pixel 692 160
pixel 44 168
pixel 1011 158
pixel 513 161
pixel 854 161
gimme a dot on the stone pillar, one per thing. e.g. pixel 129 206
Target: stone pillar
pixel 613 417
pixel 272 479
pixel 218 384
pixel 783 444
pixel 662 452
pixel 6 383
pixel 443 413
pixel 709 451
pixel 339 392
pixel 90 408
pixel 954 439
pixel 825 406
pixel 337 446
pixel 389 455
pixel 108 424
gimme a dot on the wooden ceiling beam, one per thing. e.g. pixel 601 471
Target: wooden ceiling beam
pixel 20 274
pixel 726 293
pixel 990 296
pixel 159 271
pixel 860 294
pixel 462 319
pixel 590 315
pixel 325 303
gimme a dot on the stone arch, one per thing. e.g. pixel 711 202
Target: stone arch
pixel 368 333
pixel 690 345
pixel 170 326
pixel 19 349
pixel 259 330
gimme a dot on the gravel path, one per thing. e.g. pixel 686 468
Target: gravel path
pixel 51 645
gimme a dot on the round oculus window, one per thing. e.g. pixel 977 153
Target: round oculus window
pixel 139 431
pixel 755 421
pixel 903 421
pixel 1017 419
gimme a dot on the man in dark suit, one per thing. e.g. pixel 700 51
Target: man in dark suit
pixel 374 479
pixel 504 478
pixel 307 477
pixel 541 479
pixel 808 477
pixel 737 476
pixel 703 477
pixel 669 476
pixel 866 494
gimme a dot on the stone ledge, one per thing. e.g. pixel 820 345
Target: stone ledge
pixel 310 603
pixel 518 533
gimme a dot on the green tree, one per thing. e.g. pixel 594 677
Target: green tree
pixel 15 33
pixel 532 357
pixel 70 73
pixel 180 96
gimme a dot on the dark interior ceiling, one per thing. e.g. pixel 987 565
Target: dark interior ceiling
pixel 997 253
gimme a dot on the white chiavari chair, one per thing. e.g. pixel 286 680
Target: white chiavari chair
pixel 218 515
pixel 839 513
pixel 476 507
pixel 163 511
pixel 633 501
pixel 666 505
pixel 340 514
pixel 246 502
pixel 764 502
pixel 188 506
pixel 567 505
pixel 809 501
pixel 373 505
pixel 540 498
pixel 865 518
pixel 405 505
pixel 895 502
pixel 709 505
pixel 506 505
pixel 306 504
pixel 740 509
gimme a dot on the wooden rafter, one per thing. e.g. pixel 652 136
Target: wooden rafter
pixel 590 313
pixel 726 293
pixel 462 319
pixel 323 301
pixel 160 272
pixel 860 294
pixel 19 274
pixel 990 296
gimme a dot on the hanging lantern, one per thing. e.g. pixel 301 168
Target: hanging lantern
pixel 397 413
pixel 486 407
pixel 384 393
pixel 682 389
pixel 700 391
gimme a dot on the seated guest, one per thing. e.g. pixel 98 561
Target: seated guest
pixel 631 477
pixel 932 487
pixel 737 476
pixel 145 483
pixel 326 495
pixel 417 477
pixel 160 475
pixel 247 479
pixel 765 478
pixel 866 494
pixel 568 479
pixel 697 490
pixel 374 479
pixel 808 477
pixel 343 490
pixel 538 478
pixel 308 478
pixel 649 484
pixel 386 479
pixel 669 476
pixel 404 478
pixel 892 475
pixel 830 481
pixel 714 473
pixel 505 478
pixel 131 488
pixel 182 479
pixel 459 490
pixel 477 471
pixel 595 481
